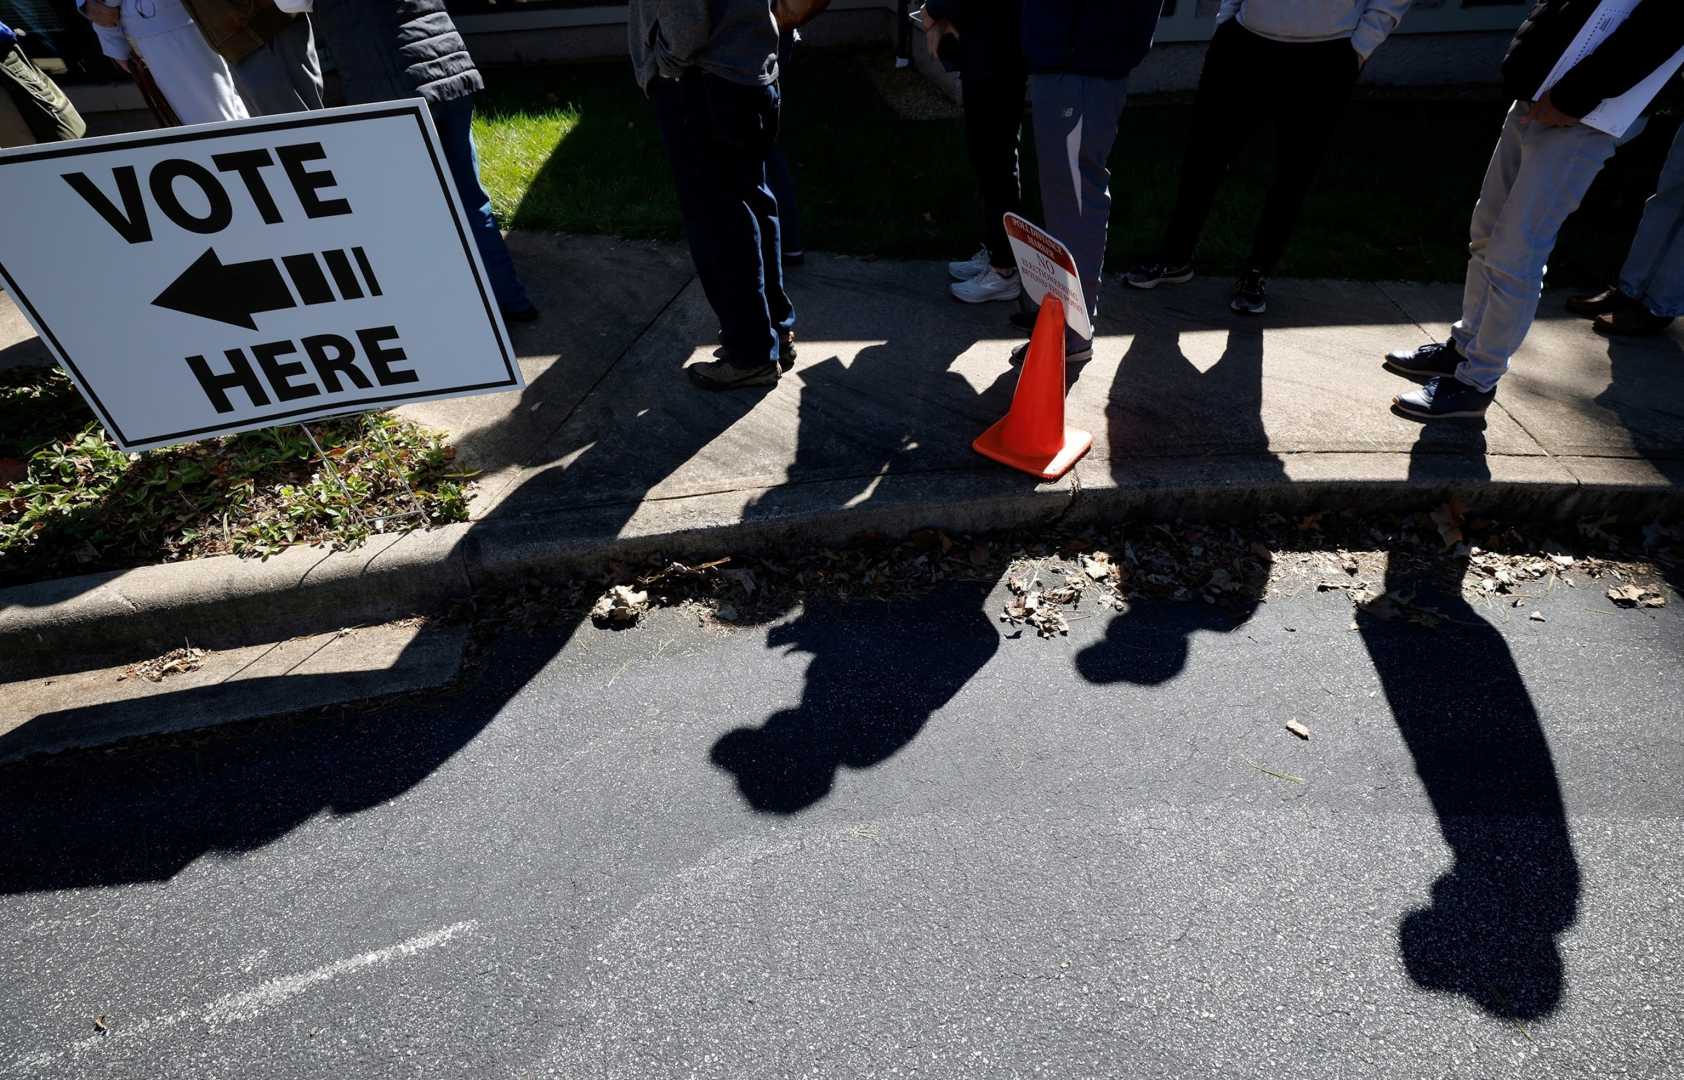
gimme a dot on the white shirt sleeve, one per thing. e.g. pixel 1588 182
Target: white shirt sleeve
pixel 1378 21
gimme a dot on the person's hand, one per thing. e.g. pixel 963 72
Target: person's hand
pixel 933 31
pixel 1544 112
pixel 102 14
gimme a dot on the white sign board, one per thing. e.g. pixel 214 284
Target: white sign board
pixel 219 278
pixel 1048 267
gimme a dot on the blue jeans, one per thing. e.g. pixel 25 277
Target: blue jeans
pixel 717 136
pixel 454 120
pixel 1075 119
pixel 1654 271
pixel 1538 176
pixel 779 177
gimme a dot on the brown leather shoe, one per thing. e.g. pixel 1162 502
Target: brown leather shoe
pixel 1634 320
pixel 1603 303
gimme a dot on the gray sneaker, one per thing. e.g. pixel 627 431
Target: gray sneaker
pixel 988 286
pixel 971 267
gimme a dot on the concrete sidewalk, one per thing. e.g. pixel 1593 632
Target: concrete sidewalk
pixel 895 380
pixel 610 451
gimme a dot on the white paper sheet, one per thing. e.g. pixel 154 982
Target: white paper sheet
pixel 1615 115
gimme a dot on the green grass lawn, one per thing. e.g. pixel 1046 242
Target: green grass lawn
pixel 575 148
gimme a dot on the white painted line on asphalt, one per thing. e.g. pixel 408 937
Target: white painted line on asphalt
pixel 246 1004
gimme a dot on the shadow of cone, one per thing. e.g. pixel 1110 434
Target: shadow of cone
pixel 1032 436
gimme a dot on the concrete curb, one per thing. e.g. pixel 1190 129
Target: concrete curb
pixel 105 619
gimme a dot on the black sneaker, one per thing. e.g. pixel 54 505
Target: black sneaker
pixel 1444 398
pixel 1431 360
pixel 1151 275
pixel 724 375
pixel 1633 321
pixel 1606 302
pixel 1250 295
pixel 786 351
pixel 1075 352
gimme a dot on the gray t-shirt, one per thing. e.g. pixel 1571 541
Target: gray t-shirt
pixel 733 39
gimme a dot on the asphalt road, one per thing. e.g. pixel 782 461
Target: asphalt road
pixel 893 841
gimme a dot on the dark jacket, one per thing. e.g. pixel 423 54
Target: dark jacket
pixel 235 28
pixel 990 35
pixel 389 49
pixel 1647 39
pixel 1106 38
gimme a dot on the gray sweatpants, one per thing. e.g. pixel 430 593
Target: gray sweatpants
pixel 1075 127
pixel 283 75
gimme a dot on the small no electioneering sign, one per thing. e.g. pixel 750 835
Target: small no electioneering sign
pixel 1048 267
pixel 225 277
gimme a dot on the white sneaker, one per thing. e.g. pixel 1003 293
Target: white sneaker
pixel 987 286
pixel 971 267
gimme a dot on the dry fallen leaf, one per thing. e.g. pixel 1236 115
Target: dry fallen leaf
pixel 1633 595
pixel 1298 729
pixel 620 606
pixel 1448 518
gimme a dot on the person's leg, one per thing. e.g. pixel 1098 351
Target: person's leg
pixel 1075 127
pixel 1218 130
pixel 47 113
pixel 1306 118
pixel 716 136
pixel 454 120
pixel 993 120
pixel 779 176
pixel 771 218
pixel 1500 175
pixel 781 180
pixel 1654 270
pixel 284 74
pixel 193 79
pixel 1544 174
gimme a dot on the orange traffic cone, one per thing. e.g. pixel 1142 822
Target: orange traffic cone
pixel 1032 436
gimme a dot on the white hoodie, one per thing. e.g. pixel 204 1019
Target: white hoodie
pixel 1366 22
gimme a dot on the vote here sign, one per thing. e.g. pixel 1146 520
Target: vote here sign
pixel 224 277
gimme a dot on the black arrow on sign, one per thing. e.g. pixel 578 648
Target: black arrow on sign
pixel 230 293
pixel 234 292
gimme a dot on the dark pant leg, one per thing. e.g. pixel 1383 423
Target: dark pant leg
pixel 1228 92
pixel 1305 122
pixel 772 219
pixel 993 121
pixel 779 176
pixel 454 120
pixel 48 113
pixel 284 74
pixel 781 179
pixel 717 135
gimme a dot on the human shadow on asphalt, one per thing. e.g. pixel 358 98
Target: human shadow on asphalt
pixel 867 697
pixel 1160 402
pixel 1490 927
pixel 144 815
